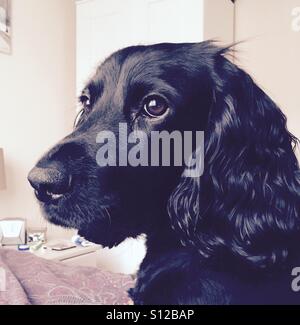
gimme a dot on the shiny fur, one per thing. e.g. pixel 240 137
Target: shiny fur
pixel 229 236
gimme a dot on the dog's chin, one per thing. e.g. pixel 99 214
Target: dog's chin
pixel 97 235
pixel 96 227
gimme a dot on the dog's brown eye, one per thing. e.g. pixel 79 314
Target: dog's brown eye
pixel 155 106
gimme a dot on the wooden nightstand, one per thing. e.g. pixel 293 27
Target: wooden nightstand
pixel 77 256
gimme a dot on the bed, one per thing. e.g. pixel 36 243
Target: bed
pixel 26 279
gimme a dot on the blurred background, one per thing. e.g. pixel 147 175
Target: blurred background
pixel 56 44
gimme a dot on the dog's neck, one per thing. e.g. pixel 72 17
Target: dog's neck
pixel 160 243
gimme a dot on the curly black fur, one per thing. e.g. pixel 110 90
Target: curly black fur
pixel 229 236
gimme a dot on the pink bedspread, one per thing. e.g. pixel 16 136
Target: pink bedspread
pixel 32 280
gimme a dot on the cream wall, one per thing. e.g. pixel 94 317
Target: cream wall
pixel 37 94
pixel 219 20
pixel 145 22
pixel 270 30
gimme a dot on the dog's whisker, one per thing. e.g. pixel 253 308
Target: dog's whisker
pixel 108 215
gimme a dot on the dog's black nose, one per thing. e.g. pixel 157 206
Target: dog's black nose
pixel 50 183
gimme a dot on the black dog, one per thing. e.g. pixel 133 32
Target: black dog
pixel 229 236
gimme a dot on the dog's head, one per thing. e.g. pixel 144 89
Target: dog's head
pixel 250 185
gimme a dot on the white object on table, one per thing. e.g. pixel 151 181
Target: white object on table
pixel 12 231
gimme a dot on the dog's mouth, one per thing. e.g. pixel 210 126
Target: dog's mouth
pixel 49 193
pixel 98 222
pixel 86 213
pixel 48 197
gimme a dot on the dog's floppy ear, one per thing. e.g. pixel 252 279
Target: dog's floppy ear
pixel 247 201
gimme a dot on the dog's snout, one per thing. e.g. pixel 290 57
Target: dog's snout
pixel 50 183
pixel 51 177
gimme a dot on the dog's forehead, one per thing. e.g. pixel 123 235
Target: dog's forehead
pixel 151 60
pixel 149 69
pixel 164 61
